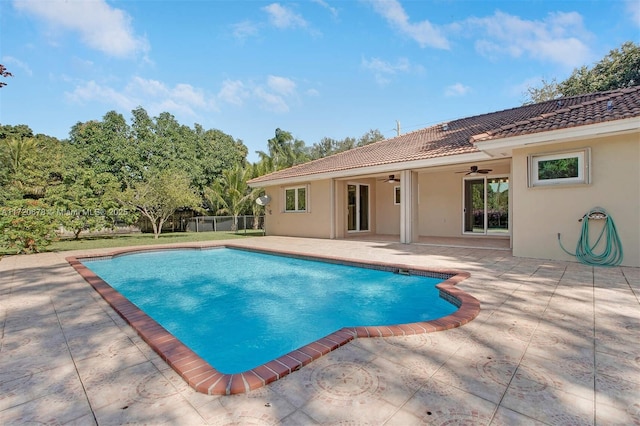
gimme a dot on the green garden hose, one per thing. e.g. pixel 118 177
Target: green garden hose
pixel 612 253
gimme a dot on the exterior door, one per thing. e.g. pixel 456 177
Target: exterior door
pixel 486 205
pixel 474 206
pixel 358 207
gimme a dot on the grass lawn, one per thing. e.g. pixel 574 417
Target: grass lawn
pixel 109 241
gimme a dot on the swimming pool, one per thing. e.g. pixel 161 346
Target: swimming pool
pixel 219 319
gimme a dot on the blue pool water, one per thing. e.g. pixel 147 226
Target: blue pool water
pixel 240 309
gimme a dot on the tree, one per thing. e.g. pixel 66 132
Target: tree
pixel 618 69
pixel 284 151
pixel 108 147
pixel 230 194
pixel 28 163
pixel 159 196
pixel 87 201
pixel 161 142
pixel 216 151
pixel 15 151
pixel 4 73
pixel 549 90
pixel 370 137
pixel 328 146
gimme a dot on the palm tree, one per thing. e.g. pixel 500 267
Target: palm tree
pixel 230 194
pixel 284 151
pixel 16 151
pixel 18 156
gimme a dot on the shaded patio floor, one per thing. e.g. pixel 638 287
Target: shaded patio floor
pixel 555 343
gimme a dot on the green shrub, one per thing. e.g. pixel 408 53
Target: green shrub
pixel 26 226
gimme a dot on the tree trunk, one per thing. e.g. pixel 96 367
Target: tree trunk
pixel 156 229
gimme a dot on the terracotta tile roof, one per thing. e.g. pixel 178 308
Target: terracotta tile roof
pixel 589 109
pixel 461 136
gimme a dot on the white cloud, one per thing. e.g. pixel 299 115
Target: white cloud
pixel 276 94
pixel 189 95
pixel 634 11
pixel 332 10
pixel 273 94
pixel 11 61
pixel 233 92
pixel 283 17
pixel 383 70
pixel 153 95
pixel 244 29
pixel 100 26
pixel 271 101
pixel 281 85
pixel 91 91
pixel 424 33
pixel 457 89
pixel 520 89
pixel 560 38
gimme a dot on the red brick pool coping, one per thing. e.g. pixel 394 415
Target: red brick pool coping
pixel 204 378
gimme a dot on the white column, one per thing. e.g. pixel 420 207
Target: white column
pixel 406 206
pixel 332 210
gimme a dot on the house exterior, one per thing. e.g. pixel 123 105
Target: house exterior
pixel 525 174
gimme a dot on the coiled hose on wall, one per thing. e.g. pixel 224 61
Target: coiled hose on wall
pixel 612 253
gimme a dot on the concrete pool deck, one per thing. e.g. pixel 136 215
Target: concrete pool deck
pixel 554 343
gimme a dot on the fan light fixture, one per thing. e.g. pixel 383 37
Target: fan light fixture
pixel 474 170
pixel 391 179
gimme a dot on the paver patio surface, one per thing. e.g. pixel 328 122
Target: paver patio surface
pixel 555 343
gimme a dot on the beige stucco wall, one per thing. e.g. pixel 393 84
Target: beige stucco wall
pixel 540 213
pixel 440 204
pixel 314 223
pixel 387 212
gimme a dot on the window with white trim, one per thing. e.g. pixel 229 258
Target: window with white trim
pixel 563 168
pixel 295 199
pixel 396 195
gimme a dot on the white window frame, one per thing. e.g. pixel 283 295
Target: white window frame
pixel 297 198
pixel 396 195
pixel 584 168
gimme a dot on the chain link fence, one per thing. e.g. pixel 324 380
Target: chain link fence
pixel 224 223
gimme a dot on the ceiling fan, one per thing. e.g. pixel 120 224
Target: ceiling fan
pixel 391 179
pixel 474 170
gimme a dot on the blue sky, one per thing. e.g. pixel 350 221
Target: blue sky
pixel 316 68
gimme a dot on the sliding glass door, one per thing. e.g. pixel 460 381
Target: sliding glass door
pixel 486 205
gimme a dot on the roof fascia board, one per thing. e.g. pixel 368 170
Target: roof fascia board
pixel 589 131
pixel 381 168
